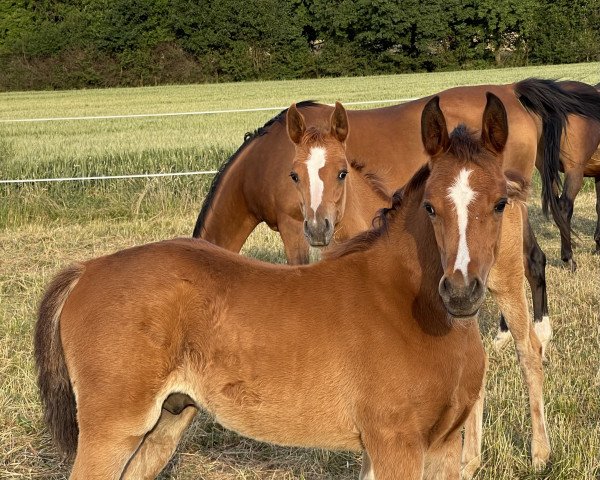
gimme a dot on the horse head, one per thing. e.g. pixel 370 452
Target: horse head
pixel 465 196
pixel 319 172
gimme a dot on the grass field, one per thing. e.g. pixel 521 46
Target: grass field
pixel 45 226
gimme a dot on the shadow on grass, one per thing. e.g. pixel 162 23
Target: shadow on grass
pixel 239 457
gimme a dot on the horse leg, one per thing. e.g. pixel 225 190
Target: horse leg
pixel 597 232
pixel 571 187
pixel 294 242
pixel 366 470
pixel 471 451
pixel 107 441
pixel 394 456
pixel 508 287
pixel 159 444
pixel 535 271
pixel 443 463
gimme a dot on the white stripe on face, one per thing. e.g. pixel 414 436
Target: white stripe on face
pixel 315 162
pixel 462 195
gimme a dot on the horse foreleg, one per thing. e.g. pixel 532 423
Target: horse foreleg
pixel 294 242
pixel 471 450
pixel 394 456
pixel 597 232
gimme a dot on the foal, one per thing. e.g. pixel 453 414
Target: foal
pixel 368 350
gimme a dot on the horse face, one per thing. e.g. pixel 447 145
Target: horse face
pixel 465 196
pixel 319 173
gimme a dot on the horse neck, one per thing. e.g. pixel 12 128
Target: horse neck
pixel 362 204
pixel 226 219
pixel 408 253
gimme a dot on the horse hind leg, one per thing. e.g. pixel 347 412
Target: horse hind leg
pixel 511 299
pixel 572 185
pixel 507 284
pixel 535 271
pixel 160 443
pixel 133 441
pixel 106 443
pixel 366 470
pixel 443 463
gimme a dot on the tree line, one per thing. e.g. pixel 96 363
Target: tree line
pixel 60 44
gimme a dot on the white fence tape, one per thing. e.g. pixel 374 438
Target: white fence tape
pixel 141 115
pixel 181 114
pixel 106 177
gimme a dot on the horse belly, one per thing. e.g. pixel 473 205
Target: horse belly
pixel 592 167
pixel 290 428
pixel 278 414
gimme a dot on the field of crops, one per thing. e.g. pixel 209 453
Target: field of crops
pixel 43 227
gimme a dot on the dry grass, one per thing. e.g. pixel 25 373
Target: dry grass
pixel 32 253
pixel 43 228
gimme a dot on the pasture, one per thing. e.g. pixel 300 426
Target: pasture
pixel 45 226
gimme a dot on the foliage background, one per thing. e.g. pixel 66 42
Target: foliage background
pixel 63 44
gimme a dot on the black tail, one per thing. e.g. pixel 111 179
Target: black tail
pixel 552 103
pixel 55 387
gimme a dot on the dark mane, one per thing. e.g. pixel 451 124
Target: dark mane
pixel 381 222
pixel 279 118
pixel 464 145
pixel 248 138
pixel 373 179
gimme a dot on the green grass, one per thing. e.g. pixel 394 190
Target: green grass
pixel 44 227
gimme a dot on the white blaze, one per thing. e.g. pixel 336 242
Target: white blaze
pixel 462 195
pixel 315 162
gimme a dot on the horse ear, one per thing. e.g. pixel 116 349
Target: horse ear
pixel 339 122
pixel 494 126
pixel 295 124
pixel 433 128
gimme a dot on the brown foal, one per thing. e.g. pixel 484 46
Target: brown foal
pixel 376 348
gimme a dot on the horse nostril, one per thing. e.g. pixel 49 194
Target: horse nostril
pixel 305 226
pixel 475 288
pixel 326 224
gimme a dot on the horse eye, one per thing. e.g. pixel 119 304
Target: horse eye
pixel 429 209
pixel 342 174
pixel 294 176
pixel 500 206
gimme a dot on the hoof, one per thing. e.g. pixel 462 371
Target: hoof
pixel 571 265
pixel 540 459
pixel 501 340
pixel 467 471
pixel 543 330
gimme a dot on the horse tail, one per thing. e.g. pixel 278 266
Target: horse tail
pixel 55 387
pixel 552 103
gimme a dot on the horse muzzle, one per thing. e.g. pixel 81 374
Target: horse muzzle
pixel 461 298
pixel 318 232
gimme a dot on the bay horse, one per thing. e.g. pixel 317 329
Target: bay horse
pixel 376 348
pixel 253 185
pixel 580 158
pixel 331 188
